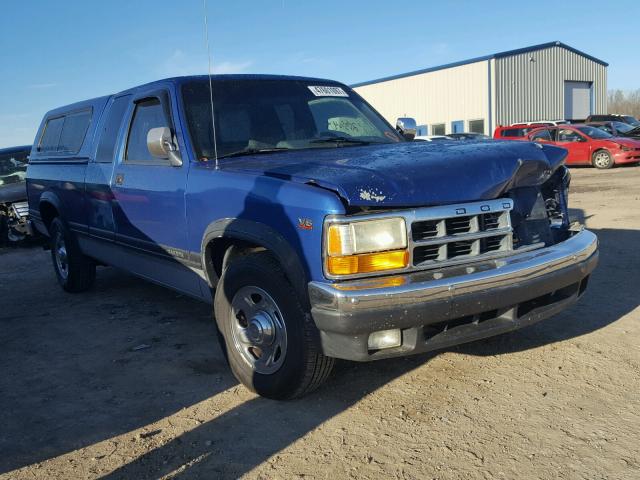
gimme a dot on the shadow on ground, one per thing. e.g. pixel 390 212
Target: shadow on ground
pixel 74 377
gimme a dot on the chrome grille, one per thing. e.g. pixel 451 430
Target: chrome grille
pixel 457 233
pixel 21 209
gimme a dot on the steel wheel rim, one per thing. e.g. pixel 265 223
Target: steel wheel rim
pixel 602 159
pixel 60 255
pixel 258 330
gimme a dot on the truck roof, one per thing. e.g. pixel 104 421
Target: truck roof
pixel 102 100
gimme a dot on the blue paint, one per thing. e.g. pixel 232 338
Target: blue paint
pixel 161 213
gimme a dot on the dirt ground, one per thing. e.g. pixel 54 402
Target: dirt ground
pixel 128 381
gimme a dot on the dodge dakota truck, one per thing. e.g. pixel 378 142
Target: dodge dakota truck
pixel 315 228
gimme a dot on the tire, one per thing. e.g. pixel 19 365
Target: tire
pixel 602 159
pixel 270 340
pixel 75 271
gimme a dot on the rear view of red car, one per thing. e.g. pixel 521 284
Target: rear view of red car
pixel 589 145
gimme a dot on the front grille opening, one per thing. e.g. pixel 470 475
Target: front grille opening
pixel 492 244
pixel 490 221
pixel 426 253
pixel 424 230
pixel 583 285
pixel 547 299
pixel 461 248
pixel 433 329
pixel 455 226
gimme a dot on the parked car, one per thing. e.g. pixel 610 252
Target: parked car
pixel 315 228
pixel 13 194
pixel 589 145
pixel 631 120
pixel 515 132
pixel 541 123
pixel 432 138
pixel 469 136
pixel 618 129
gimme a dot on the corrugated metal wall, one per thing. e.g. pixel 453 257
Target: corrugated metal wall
pixel 530 86
pixel 443 96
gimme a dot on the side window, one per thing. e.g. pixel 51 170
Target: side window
pixel 566 135
pixel 110 129
pixel 542 135
pixel 51 135
pixel 73 132
pixel 148 114
pixel 514 132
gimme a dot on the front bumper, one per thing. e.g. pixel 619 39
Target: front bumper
pixel 437 309
pixel 627 157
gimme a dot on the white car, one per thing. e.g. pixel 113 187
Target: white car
pixel 432 138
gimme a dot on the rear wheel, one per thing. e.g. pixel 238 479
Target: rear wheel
pixel 602 159
pixel 75 271
pixel 271 342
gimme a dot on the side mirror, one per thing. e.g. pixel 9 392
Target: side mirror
pixel 407 128
pixel 160 145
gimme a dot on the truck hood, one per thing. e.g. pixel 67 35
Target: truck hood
pixel 412 173
pixel 13 192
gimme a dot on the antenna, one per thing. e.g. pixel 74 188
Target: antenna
pixel 213 118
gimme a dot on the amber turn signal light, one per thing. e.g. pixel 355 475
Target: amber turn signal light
pixel 368 262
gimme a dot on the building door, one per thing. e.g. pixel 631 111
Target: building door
pixel 577 100
pixel 457 126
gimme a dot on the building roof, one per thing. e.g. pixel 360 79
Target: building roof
pixel 508 53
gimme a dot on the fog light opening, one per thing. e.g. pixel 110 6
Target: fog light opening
pixel 385 339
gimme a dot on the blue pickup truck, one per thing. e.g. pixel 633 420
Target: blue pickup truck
pixel 315 228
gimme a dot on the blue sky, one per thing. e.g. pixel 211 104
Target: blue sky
pixel 58 52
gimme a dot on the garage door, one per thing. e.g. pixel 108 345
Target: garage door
pixel 577 100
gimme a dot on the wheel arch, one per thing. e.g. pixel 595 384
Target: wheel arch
pixel 49 207
pixel 227 238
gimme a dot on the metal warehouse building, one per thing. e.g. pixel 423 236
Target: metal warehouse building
pixel 551 81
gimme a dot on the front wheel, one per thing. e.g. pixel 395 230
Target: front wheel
pixel 602 159
pixel 270 340
pixel 75 271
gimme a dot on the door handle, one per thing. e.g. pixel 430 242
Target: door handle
pixel 119 178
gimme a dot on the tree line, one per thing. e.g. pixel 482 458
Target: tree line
pixel 624 102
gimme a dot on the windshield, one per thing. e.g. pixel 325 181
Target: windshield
pixel 622 127
pixel 273 115
pixel 631 120
pixel 13 167
pixel 594 132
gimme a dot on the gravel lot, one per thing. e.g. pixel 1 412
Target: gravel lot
pixel 128 381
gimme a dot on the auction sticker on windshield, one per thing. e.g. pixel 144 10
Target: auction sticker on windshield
pixel 326 91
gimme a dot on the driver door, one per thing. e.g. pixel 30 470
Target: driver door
pixel 576 144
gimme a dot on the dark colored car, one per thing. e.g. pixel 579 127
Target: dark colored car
pixel 618 129
pixel 469 136
pixel 589 145
pixel 631 120
pixel 315 228
pixel 13 194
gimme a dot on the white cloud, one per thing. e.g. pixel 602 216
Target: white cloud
pixel 181 63
pixel 231 67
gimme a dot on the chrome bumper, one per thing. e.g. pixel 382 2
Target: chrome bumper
pixel 497 295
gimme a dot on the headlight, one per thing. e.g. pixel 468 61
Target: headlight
pixel 366 246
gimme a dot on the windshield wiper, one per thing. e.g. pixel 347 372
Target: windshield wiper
pixel 253 151
pixel 340 140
